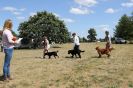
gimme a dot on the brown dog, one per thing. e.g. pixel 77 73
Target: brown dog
pixel 104 51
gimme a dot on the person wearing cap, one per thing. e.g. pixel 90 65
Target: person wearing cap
pixel 76 42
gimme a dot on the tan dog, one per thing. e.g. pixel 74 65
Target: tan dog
pixel 104 51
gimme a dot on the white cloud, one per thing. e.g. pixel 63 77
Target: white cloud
pixel 127 4
pixel 57 15
pixel 81 11
pixel 103 27
pixel 68 20
pixel 13 10
pixel 110 10
pixel 87 3
pixel 22 9
pixel 131 0
pixel 10 9
pixel 32 13
pixel 20 18
pixel 16 13
pixel 104 0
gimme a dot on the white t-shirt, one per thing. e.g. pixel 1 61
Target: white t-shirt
pixel 109 39
pixel 76 40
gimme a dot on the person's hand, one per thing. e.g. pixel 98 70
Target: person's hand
pixel 14 38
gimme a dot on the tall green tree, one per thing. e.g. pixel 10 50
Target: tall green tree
pixel 44 24
pixel 92 35
pixel 124 29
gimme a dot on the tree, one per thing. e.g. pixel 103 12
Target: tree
pixel 92 35
pixel 0 35
pixel 83 39
pixel 44 24
pixel 124 29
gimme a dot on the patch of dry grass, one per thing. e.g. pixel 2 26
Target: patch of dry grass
pixel 30 71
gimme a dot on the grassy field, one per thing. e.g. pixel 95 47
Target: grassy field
pixel 30 71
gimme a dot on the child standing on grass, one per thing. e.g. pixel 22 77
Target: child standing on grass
pixel 8 45
pixel 108 40
pixel 46 46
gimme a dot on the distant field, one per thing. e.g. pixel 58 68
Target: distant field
pixel 30 71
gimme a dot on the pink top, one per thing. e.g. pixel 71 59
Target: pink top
pixel 7 37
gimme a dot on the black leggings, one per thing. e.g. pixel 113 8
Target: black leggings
pixel 76 47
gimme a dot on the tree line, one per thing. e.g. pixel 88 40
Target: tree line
pixel 47 24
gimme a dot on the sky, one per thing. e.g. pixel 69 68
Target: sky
pixel 78 15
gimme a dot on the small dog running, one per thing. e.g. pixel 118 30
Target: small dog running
pixel 103 51
pixel 49 54
pixel 75 53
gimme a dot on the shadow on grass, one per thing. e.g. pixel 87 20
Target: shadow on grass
pixel 39 58
pixel 94 57
pixel 100 57
pixel 1 78
pixel 70 57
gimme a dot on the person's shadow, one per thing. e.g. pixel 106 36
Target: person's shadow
pixel 1 77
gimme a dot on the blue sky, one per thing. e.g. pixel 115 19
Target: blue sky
pixel 79 15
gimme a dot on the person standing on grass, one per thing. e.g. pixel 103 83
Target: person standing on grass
pixel 76 42
pixel 8 45
pixel 108 40
pixel 46 46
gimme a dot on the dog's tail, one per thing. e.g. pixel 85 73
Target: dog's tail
pixel 82 51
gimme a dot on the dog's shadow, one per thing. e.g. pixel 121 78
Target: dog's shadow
pixel 70 57
pixel 99 57
pixel 94 57
pixel 39 58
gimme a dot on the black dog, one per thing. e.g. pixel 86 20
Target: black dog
pixel 49 54
pixel 74 53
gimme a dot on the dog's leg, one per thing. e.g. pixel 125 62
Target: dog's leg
pixel 54 56
pixel 49 56
pixel 43 54
pixel 79 55
pixel 99 55
pixel 108 54
pixel 57 56
pixel 72 55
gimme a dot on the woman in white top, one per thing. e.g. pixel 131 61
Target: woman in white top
pixel 8 45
